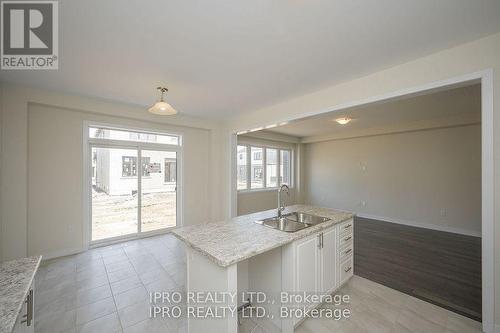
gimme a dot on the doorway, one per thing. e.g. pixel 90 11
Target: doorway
pixel 485 78
pixel 133 184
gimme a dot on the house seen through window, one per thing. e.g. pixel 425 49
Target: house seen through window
pixel 129 166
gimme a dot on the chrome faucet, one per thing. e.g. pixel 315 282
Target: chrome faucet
pixel 281 207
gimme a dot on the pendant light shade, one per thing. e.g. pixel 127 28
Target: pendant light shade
pixel 161 107
pixel 343 120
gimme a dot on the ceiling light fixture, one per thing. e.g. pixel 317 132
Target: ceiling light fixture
pixel 343 120
pixel 161 107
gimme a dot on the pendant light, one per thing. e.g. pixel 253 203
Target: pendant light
pixel 343 120
pixel 161 107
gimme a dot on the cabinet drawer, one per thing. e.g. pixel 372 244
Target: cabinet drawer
pixel 345 252
pixel 345 240
pixel 346 270
pixel 346 227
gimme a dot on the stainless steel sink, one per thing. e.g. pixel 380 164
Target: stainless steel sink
pixel 306 218
pixel 292 222
pixel 283 224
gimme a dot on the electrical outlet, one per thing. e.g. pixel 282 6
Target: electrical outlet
pixel 443 212
pixel 70 228
pixel 363 203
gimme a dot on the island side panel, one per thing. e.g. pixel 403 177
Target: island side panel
pixel 204 275
pixel 264 271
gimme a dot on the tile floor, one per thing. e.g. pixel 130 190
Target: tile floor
pixel 379 309
pixel 107 290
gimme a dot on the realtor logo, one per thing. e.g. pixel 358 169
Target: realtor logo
pixel 29 36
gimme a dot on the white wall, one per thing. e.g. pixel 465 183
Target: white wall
pixel 55 169
pixel 42 140
pixel 427 178
pixel 256 201
pixel 462 60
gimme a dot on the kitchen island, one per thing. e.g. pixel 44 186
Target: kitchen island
pixel 238 259
pixel 16 294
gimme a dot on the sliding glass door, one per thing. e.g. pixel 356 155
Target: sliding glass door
pixel 114 192
pixel 159 190
pixel 133 186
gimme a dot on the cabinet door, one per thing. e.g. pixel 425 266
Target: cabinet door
pixel 307 265
pixel 329 261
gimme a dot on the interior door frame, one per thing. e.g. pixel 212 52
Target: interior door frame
pixel 89 143
pixel 485 78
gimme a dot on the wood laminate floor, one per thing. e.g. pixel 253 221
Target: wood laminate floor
pixel 439 267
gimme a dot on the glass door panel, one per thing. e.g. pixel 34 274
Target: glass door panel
pixel 114 187
pixel 159 190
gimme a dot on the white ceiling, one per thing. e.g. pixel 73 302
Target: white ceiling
pixel 221 58
pixel 463 103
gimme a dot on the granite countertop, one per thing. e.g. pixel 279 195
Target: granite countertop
pixel 16 277
pixel 240 238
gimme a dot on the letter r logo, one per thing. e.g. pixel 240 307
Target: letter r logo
pixel 27 27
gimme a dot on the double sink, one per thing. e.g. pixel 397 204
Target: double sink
pixel 292 222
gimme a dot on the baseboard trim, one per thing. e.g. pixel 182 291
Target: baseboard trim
pixel 61 253
pixel 422 225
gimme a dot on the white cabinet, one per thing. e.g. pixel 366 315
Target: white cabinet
pixel 328 260
pixel 345 251
pixel 318 264
pixel 307 264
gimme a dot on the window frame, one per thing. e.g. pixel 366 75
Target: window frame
pixel 248 167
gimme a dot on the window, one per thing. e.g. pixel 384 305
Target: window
pixel 129 166
pixel 271 167
pixel 285 167
pixel 267 167
pixel 170 173
pixel 256 180
pixel 241 165
pixel 135 136
pixel 143 137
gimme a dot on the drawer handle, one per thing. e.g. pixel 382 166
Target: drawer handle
pixel 347 226
pixel 348 251
pixel 347 269
pixel 347 238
